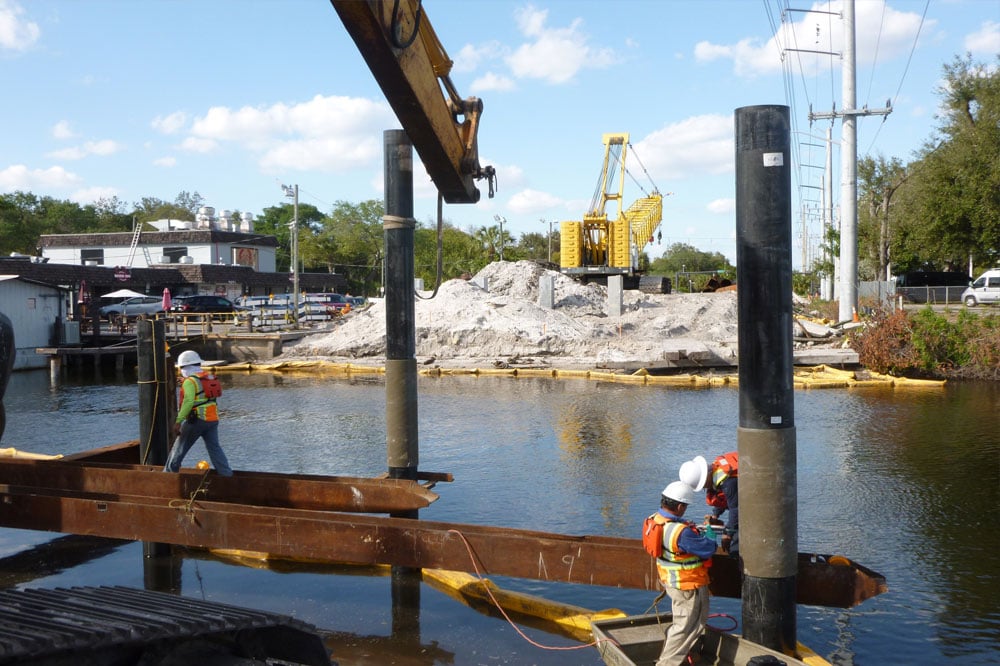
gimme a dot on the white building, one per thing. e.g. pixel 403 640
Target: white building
pixel 33 308
pixel 154 249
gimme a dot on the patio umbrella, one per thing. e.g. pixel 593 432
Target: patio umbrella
pixel 123 293
pixel 166 300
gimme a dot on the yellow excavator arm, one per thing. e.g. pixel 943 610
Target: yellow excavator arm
pixel 398 43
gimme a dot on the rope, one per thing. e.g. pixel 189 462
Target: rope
pixel 188 504
pixel 475 566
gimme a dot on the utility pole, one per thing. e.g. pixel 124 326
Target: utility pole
pixel 500 219
pixel 293 192
pixel 550 237
pixel 849 167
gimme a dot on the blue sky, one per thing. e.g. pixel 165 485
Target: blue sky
pixel 233 98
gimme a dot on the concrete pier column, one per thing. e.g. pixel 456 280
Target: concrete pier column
pixel 766 433
pixel 546 292
pixel 55 368
pixel 616 295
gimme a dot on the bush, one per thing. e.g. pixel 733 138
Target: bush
pixel 928 344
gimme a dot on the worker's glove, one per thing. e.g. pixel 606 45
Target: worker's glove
pixel 710 533
pixel 727 542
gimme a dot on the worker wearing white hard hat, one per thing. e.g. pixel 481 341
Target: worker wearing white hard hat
pixel 683 573
pixel 197 415
pixel 720 480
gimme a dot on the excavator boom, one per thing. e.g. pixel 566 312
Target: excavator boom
pixel 398 43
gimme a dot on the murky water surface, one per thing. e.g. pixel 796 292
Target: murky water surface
pixel 904 482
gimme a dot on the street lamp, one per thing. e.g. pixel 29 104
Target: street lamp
pixel 500 220
pixel 550 237
pixel 292 191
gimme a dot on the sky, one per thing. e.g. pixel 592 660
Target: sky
pixel 234 98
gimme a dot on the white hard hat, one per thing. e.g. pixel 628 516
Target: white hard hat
pixel 188 358
pixel 679 492
pixel 694 473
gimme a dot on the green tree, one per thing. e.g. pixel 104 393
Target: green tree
pixel 878 181
pixel 681 258
pixel 277 221
pixel 952 199
pixel 460 254
pixel 534 246
pixel 20 224
pixel 350 241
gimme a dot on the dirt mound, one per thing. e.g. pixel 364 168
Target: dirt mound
pixel 503 323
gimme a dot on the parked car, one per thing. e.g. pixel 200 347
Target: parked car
pixel 133 307
pixel 986 289
pixel 357 302
pixel 332 301
pixel 203 304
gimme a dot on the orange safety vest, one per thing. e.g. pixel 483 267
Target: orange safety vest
pixel 723 467
pixel 207 389
pixel 677 568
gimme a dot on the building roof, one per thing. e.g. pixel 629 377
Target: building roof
pixel 101 279
pixel 124 239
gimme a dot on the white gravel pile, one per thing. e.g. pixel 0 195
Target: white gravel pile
pixel 504 325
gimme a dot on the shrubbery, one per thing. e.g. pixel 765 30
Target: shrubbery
pixel 930 344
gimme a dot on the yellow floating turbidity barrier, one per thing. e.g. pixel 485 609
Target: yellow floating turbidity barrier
pixel 570 620
pixel 17 453
pixel 811 377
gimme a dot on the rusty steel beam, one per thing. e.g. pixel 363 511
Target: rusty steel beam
pixel 296 491
pixel 364 539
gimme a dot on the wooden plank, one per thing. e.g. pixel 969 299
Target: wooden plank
pixel 301 491
pixel 365 539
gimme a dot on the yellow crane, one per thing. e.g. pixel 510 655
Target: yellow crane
pixel 599 246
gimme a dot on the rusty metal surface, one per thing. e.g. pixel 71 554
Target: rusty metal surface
pixel 300 491
pixel 96 625
pixel 365 539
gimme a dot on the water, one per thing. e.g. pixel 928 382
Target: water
pixel 904 482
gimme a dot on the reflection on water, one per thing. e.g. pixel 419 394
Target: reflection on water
pixel 902 481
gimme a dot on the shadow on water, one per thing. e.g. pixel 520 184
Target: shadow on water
pixel 901 481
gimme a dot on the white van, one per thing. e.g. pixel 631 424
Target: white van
pixel 985 289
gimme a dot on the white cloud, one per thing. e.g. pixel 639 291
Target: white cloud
pixel 721 206
pixel 985 41
pixel 491 81
pixel 554 55
pixel 16 33
pixel 20 177
pixel 470 57
pixel 93 194
pixel 171 123
pixel 165 162
pixel 880 30
pixel 102 148
pixel 196 145
pixel 529 202
pixel 320 134
pixel 690 148
pixel 62 130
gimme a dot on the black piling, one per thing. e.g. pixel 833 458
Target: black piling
pixel 400 357
pixel 155 396
pixel 400 324
pixel 766 434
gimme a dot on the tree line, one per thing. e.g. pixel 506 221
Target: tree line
pixel 348 240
